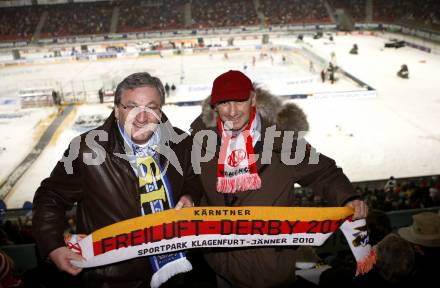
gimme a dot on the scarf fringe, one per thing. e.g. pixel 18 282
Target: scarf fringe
pixel 366 264
pixel 171 269
pixel 238 183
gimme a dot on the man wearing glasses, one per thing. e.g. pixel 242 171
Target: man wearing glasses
pixel 121 170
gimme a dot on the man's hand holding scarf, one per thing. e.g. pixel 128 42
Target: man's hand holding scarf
pixel 184 202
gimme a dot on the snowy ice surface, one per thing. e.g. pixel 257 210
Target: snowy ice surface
pixel 395 133
pixel 19 130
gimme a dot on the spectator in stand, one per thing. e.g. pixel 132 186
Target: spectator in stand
pixel 378 225
pixel 26 230
pixel 343 264
pixel 434 193
pixel 424 235
pixel 390 185
pixel 3 207
pixel 4 238
pixel 7 278
pixel 13 231
pixel 394 267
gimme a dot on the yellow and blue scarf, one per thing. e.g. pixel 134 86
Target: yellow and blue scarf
pixel 155 196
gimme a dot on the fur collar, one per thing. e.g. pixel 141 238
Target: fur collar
pixel 287 116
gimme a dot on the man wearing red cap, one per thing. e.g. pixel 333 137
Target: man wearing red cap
pixel 251 165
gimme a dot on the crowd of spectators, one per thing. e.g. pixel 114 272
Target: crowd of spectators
pixel 355 8
pixel 135 16
pixel 427 12
pixel 91 18
pixel 12 232
pixel 282 12
pixel 19 22
pixel 225 13
pixel 388 11
pixel 15 230
pixel 394 195
pixel 406 194
pixel 77 19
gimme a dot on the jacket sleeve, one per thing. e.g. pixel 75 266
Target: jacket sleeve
pixel 56 195
pixel 325 178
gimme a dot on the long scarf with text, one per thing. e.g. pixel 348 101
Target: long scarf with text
pixel 200 227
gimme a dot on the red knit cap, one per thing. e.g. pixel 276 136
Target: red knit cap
pixel 231 86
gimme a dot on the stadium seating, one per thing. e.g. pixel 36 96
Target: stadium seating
pixel 95 18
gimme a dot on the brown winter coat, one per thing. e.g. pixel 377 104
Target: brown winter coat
pixel 268 267
pixel 105 194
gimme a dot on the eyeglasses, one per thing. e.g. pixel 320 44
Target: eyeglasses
pixel 130 107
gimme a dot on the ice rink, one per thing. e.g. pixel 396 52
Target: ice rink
pixel 395 133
